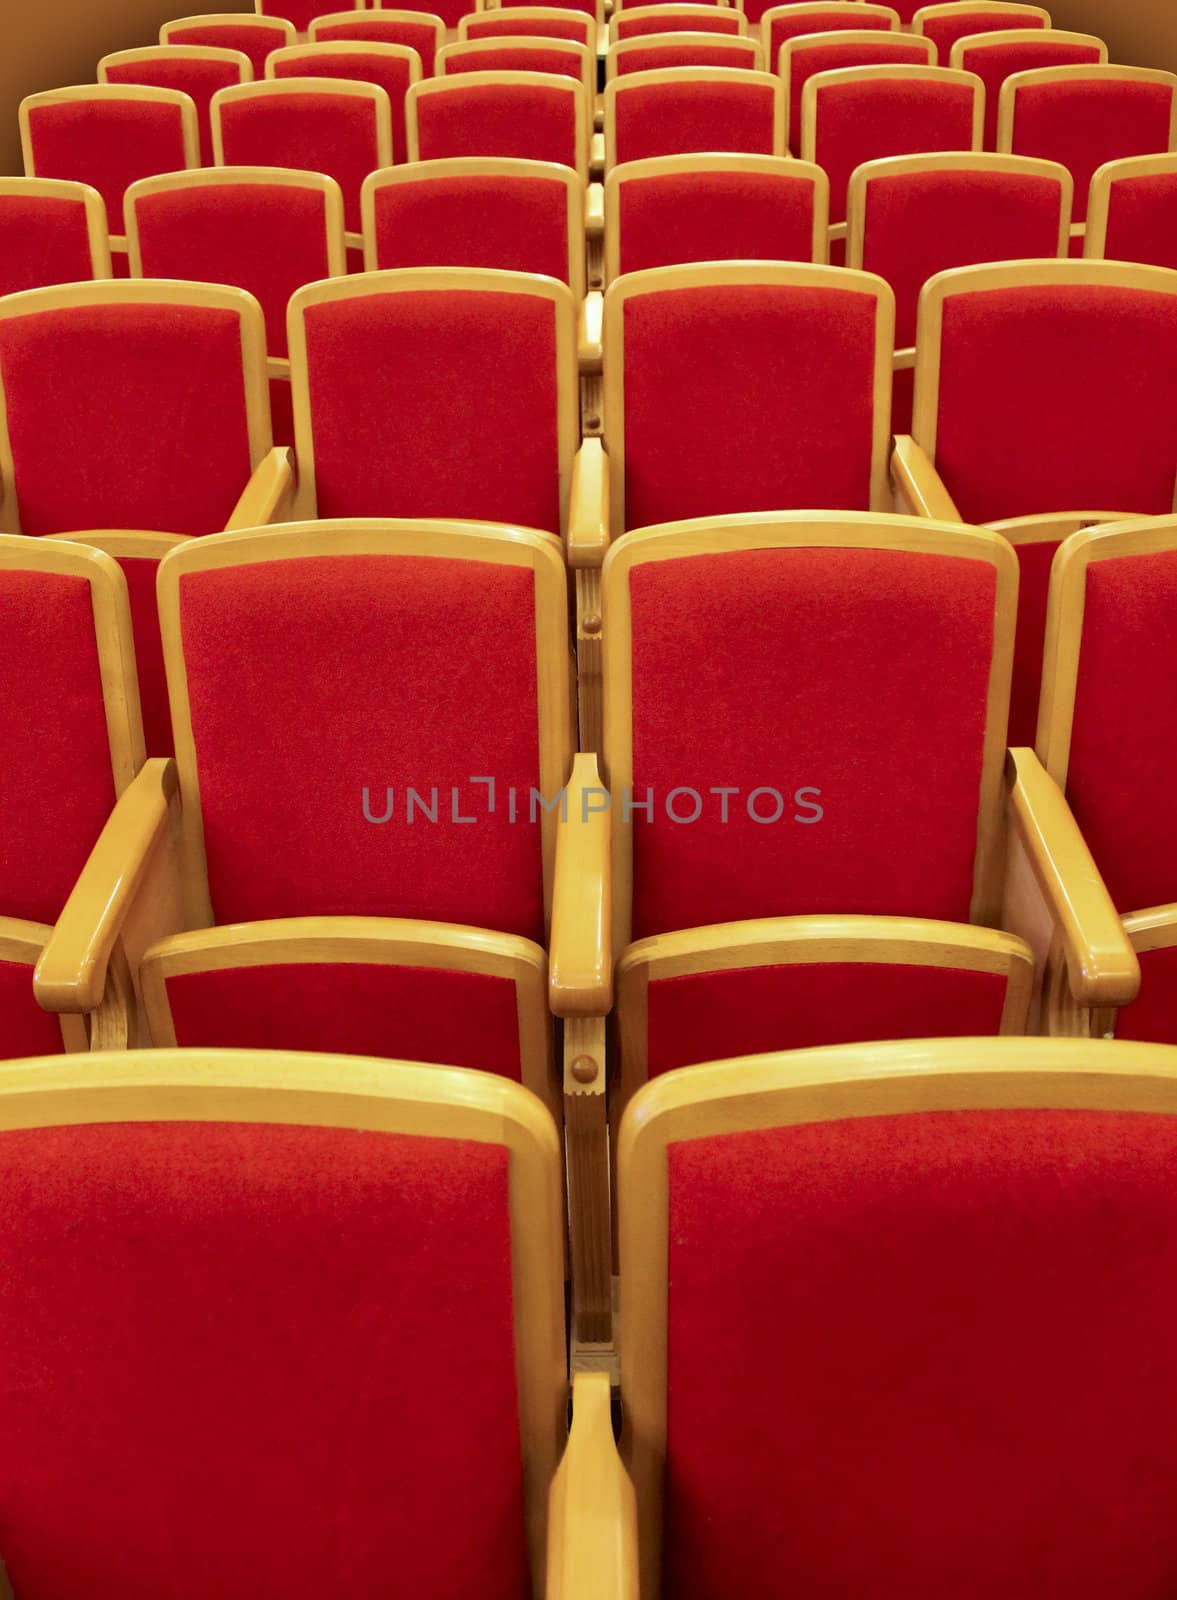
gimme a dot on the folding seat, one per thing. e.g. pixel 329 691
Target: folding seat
pixel 254 36
pixel 996 56
pixel 801 58
pixel 51 231
pixel 791 20
pixel 197 70
pixel 135 415
pixel 913 216
pixel 945 24
pixel 703 109
pixel 337 126
pixel 923 1254
pixel 675 18
pixel 395 67
pixel 1045 401
pixel 420 30
pixel 264 1286
pixel 536 22
pixel 1086 117
pixel 303 13
pixel 107 136
pixel 532 116
pixel 512 54
pixel 1132 211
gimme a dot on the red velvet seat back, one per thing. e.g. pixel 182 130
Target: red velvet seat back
pixel 516 223
pixel 506 56
pixel 126 416
pixel 828 55
pixel 878 117
pixel 1142 220
pixel 301 12
pixel 718 20
pixel 653 56
pixel 994 62
pixel 254 38
pixel 310 680
pixel 792 370
pixel 1017 433
pixel 365 66
pixel 42 241
pixel 670 118
pixel 372 28
pixel 796 697
pixel 505 24
pixel 924 1302
pixel 759 216
pixel 25 1030
pixel 57 788
pixel 944 31
pixel 107 143
pixel 1083 123
pixel 196 76
pixel 239 1360
pixel 1152 1015
pixel 536 121
pixel 833 19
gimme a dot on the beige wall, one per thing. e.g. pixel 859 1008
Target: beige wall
pixel 48 43
pixel 1140 33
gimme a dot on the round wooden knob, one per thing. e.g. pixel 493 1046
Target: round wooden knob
pixel 584 1069
pixel 592 623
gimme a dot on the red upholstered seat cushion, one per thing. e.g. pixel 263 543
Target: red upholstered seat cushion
pixel 25 1030
pixel 994 62
pixel 829 54
pixel 791 370
pixel 374 29
pixel 1142 220
pixel 57 789
pixel 884 1339
pixel 238 1359
pixel 42 242
pixel 859 122
pixel 1084 124
pixel 759 216
pixel 828 670
pixel 1123 762
pixel 744 1011
pixel 197 77
pixel 721 20
pixel 508 57
pixel 268 239
pixel 534 121
pixel 520 224
pixel 126 416
pixel 673 118
pixel 459 1019
pixel 1153 1015
pixel 1018 434
pixel 315 132
pixel 106 143
pixel 392 75
pixel 658 57
pixel 310 680
pixel 833 19
pixel 254 39
pixel 437 403
pixel 944 31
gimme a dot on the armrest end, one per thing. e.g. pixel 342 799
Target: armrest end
pixel 588 510
pixel 592 1529
pixel 268 495
pixel 580 982
pixel 917 487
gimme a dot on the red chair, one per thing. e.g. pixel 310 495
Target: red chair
pixel 634 21
pixel 697 109
pixel 252 35
pixel 1132 211
pixel 535 22
pixel 394 67
pixel 420 30
pixel 564 57
pixel 801 58
pixel 591 8
pixel 1085 117
pixel 51 231
pixel 791 20
pixel 534 116
pixel 996 56
pixel 945 24
pixel 196 70
pixel 303 13
pixel 660 52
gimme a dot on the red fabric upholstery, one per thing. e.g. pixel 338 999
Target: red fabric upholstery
pixel 710 1016
pixel 392 75
pixel 301 696
pixel 372 28
pixel 829 54
pixel 403 387
pixel 1123 763
pixel 315 132
pixel 42 242
pixel 795 697
pixel 670 118
pixel 1084 124
pixel 301 12
pixel 944 31
pixel 520 224
pixel 718 20
pixel 535 121
pixel 1017 433
pixel 254 38
pixel 656 57
pixel 924 1302
pixel 172 69
pixel 106 143
pixel 57 790
pixel 859 122
pixel 267 238
pixel 993 62
pixel 503 24
pixel 922 223
pixel 758 215
pixel 588 7
pixel 126 416
pixel 1034 583
pixel 1142 220
pixel 507 57
pixel 25 1030
pixel 792 369
pixel 271 1327
pixel 459 1019
pixel 834 18
pixel 1153 1015
pixel 153 683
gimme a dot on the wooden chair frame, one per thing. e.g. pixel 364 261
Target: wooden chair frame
pixel 467 49
pixel 684 13
pixel 1099 199
pixel 818 8
pixel 733 44
pixel 869 37
pixel 83 194
pixel 538 14
pixel 167 52
pixel 598 11
pixel 957 8
pixel 582 105
pixel 1008 36
pixel 343 47
pixel 633 81
pixel 335 19
pixel 226 19
pixel 260 7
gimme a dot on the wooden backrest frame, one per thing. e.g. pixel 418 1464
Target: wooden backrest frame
pixel 456 82
pixel 226 19
pixel 350 88
pixel 97 231
pixel 683 9
pixel 864 36
pixel 533 13
pixel 956 8
pixel 1008 107
pixel 465 49
pixel 812 7
pixel 1099 198
pixel 176 52
pixel 1008 36
pixel 733 43
pixel 901 73
pixel 377 14
pixel 740 76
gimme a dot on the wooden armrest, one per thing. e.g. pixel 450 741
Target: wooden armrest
pixel 580 981
pixel 592 1526
pixel 588 510
pixel 1102 969
pixel 597 155
pixel 71 974
pixel 916 481
pixel 268 494
pixel 592 312
pixel 594 211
